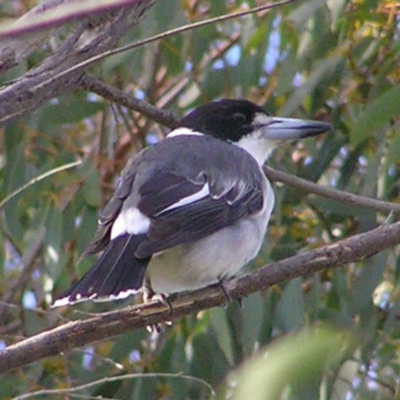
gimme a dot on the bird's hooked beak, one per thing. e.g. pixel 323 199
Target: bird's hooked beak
pixel 283 129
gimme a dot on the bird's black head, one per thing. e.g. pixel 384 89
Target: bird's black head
pixel 248 125
pixel 226 119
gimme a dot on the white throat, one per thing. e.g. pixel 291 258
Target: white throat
pixel 259 148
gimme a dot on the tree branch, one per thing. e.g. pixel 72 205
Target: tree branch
pixel 54 13
pixel 61 72
pixel 166 118
pixel 14 50
pixel 106 325
pixel 339 195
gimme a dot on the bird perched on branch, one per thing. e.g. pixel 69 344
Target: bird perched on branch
pixel 191 210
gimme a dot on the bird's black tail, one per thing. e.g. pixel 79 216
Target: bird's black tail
pixel 116 274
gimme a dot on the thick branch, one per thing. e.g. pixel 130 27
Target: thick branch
pixel 23 36
pixel 55 13
pixel 56 75
pixel 13 50
pixel 106 325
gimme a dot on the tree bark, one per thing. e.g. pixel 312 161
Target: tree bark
pixel 60 73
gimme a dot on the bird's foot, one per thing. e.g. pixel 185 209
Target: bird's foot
pixel 226 293
pixel 148 296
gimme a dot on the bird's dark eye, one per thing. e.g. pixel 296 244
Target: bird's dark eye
pixel 239 118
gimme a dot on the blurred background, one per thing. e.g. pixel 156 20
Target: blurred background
pixel 330 60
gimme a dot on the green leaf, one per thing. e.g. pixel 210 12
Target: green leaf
pixel 393 155
pixel 69 112
pixel 289 313
pixel 92 189
pixel 222 331
pixel 367 281
pixel 252 321
pixel 336 8
pixel 16 173
pixel 304 12
pixel 376 115
pixel 323 72
pixel 335 207
pixel 290 363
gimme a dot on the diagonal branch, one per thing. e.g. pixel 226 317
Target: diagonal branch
pixel 61 72
pixel 339 195
pixel 109 92
pixel 55 13
pixel 14 50
pixel 106 325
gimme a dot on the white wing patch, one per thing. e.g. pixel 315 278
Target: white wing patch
pixel 61 302
pixel 203 192
pixel 183 131
pixel 131 221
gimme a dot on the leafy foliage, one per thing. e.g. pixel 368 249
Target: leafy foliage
pixel 322 59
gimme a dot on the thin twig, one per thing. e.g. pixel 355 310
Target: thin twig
pixel 157 114
pixel 38 179
pixel 114 379
pixel 47 80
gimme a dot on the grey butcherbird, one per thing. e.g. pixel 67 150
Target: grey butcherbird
pixel 191 210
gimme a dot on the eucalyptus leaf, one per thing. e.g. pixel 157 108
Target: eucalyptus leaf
pixel 378 114
pixel 295 359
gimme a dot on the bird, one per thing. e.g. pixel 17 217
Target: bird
pixel 191 210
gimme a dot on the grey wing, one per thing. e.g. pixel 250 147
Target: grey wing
pixel 183 210
pixel 183 206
